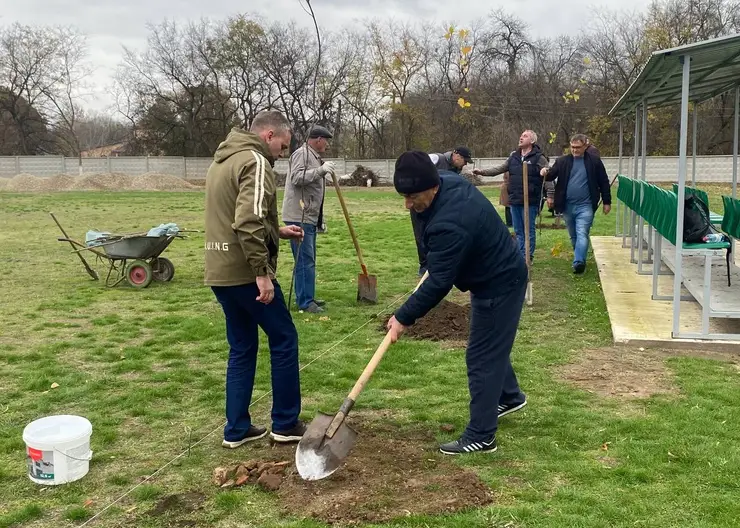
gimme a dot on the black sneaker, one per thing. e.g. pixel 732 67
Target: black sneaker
pixel 509 408
pixel 579 267
pixel 463 446
pixel 293 435
pixel 320 302
pixel 255 433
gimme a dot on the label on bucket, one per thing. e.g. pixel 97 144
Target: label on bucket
pixel 40 464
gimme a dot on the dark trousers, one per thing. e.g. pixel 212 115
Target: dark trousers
pixel 491 377
pixel 507 214
pixel 305 265
pixel 418 228
pixel 243 315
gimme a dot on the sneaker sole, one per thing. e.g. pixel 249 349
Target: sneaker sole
pixel 281 439
pixel 513 409
pixel 234 445
pixel 490 450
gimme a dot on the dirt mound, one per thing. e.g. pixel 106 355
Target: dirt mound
pixel 359 177
pixel 447 321
pixel 101 182
pixel 154 181
pixel 376 484
pixel 25 183
pixel 60 182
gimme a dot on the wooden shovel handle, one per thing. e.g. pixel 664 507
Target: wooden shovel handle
pixel 349 224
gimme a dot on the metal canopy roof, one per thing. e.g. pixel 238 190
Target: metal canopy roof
pixel 715 69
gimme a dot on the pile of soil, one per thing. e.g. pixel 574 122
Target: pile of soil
pixel 4 183
pixel 154 181
pixel 447 321
pixel 150 181
pixel 25 182
pixel 472 178
pixel 376 484
pixel 359 178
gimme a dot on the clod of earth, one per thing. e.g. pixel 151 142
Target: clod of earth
pixel 447 321
pixel 267 475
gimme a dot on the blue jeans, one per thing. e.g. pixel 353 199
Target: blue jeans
pixel 517 217
pixel 243 315
pixel 305 265
pixel 579 218
pixel 491 378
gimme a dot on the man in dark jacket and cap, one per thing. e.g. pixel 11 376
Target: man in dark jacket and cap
pixel 453 160
pixel 528 152
pixel 467 246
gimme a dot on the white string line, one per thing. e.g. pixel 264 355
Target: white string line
pixel 186 451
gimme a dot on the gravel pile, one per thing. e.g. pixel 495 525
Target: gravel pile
pixel 24 183
pixel 151 181
pixel 154 181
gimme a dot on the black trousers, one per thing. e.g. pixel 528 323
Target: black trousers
pixel 507 211
pixel 491 378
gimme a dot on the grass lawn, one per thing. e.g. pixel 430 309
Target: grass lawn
pixel 146 367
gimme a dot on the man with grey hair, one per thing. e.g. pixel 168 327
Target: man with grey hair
pixel 242 235
pixel 529 152
pixel 303 205
pixel 581 183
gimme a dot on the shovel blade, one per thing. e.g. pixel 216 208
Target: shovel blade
pixel 317 456
pixel 367 288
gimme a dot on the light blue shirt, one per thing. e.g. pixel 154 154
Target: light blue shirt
pixel 577 192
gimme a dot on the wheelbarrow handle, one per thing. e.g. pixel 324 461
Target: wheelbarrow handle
pixel 349 401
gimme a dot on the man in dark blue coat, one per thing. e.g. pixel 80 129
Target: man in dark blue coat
pixel 581 183
pixel 467 246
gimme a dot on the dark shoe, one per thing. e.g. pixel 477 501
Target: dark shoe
pixel 313 308
pixel 292 435
pixel 255 433
pixel 579 267
pixel 463 446
pixel 509 408
pixel 320 302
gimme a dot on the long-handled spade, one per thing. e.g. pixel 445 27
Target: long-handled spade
pixel 528 296
pixel 328 439
pixel 367 285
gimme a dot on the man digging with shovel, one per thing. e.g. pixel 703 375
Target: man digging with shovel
pixel 467 246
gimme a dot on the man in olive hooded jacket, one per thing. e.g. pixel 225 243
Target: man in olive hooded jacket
pixel 241 250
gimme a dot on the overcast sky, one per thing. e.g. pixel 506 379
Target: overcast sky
pixel 110 24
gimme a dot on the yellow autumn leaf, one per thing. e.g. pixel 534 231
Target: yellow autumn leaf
pixel 553 137
pixel 557 250
pixel 466 49
pixel 463 33
pixel 467 104
pixel 467 90
pixel 461 102
pixel 586 61
pixel 576 97
pixel 583 81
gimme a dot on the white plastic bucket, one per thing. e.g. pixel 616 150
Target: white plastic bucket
pixel 58 449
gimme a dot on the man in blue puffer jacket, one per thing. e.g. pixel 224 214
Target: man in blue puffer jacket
pixel 467 246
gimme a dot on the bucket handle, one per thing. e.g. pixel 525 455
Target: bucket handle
pixel 87 457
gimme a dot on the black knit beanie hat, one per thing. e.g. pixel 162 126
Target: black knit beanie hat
pixel 414 173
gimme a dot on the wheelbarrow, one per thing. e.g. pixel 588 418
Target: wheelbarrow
pixel 134 258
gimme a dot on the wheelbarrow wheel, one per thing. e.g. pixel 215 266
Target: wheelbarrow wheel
pixel 163 269
pixel 139 274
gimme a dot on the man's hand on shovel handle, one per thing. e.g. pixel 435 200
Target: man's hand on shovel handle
pixel 292 231
pixel 395 328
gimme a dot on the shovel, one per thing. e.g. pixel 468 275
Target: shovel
pixel 528 296
pixel 328 440
pixel 367 285
pixel 90 271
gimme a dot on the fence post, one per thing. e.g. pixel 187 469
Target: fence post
pixel 184 168
pixel 17 164
pixel 388 173
pixel 147 163
pixel 110 170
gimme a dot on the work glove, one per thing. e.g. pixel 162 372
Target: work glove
pixel 327 167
